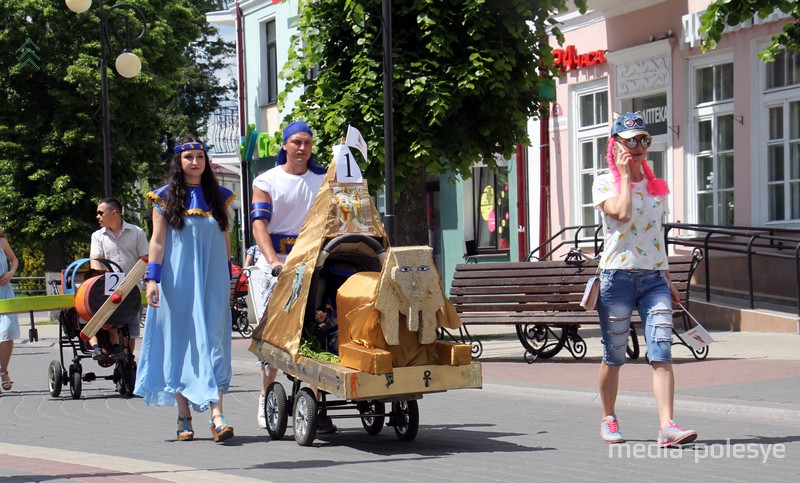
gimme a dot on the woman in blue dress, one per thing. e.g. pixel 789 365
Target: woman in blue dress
pixel 9 325
pixel 186 350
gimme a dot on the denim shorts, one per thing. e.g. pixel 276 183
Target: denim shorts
pixel 621 291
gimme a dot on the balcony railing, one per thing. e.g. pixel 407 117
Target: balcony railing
pixel 223 131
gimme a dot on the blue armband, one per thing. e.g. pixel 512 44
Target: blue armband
pixel 153 272
pixel 261 210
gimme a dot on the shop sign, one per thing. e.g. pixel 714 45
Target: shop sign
pixel 569 59
pixel 654 110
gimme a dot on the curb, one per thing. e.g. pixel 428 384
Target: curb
pixel 791 415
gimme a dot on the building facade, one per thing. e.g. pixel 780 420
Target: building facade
pixel 726 126
pixel 724 123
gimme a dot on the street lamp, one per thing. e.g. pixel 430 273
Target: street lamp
pixel 128 64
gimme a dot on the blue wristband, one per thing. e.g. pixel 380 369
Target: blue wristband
pixel 153 272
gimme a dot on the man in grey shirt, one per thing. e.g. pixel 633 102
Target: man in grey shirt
pixel 120 242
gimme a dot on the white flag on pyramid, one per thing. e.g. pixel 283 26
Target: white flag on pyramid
pixel 355 140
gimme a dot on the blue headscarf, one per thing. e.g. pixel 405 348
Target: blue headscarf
pixel 289 131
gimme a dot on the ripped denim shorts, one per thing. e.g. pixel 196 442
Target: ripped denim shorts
pixel 622 291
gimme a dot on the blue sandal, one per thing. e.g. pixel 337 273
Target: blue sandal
pixel 222 432
pixel 185 434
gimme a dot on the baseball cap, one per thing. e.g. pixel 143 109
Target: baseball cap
pixel 628 125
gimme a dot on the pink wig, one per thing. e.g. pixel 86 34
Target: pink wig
pixel 655 186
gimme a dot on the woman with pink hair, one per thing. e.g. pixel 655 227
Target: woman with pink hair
pixel 634 274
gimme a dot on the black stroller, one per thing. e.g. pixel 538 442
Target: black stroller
pixel 70 324
pixel 239 289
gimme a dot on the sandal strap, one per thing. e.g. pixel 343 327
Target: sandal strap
pixel 221 426
pixel 185 425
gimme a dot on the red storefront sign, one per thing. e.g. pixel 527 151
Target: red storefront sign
pixel 568 59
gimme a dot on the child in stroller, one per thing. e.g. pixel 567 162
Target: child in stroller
pixel 337 268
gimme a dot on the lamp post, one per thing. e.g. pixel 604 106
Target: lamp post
pixel 390 221
pixel 128 64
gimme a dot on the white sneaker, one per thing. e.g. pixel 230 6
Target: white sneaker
pixel 262 417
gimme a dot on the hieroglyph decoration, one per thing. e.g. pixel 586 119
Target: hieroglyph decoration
pixel 351 208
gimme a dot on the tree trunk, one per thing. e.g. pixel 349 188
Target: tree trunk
pixel 412 213
pixel 54 262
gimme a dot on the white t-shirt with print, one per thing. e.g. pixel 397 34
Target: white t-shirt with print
pixel 639 243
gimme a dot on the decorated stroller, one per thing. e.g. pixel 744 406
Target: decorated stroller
pixel 389 306
pixel 90 288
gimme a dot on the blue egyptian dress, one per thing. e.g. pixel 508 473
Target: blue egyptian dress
pixel 186 346
pixel 9 324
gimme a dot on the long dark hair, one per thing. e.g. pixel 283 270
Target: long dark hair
pixel 176 193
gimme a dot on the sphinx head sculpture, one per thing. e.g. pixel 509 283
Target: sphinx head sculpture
pixel 409 286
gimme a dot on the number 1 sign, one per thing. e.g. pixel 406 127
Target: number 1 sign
pixel 347 169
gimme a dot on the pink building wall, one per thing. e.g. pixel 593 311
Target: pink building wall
pixel 632 29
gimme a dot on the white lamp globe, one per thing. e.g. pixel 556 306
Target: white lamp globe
pixel 79 6
pixel 128 64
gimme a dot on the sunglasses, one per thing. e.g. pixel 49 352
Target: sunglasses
pixel 631 122
pixel 631 143
pixel 103 213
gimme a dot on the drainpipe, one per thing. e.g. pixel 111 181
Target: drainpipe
pixel 544 180
pixel 245 172
pixel 522 203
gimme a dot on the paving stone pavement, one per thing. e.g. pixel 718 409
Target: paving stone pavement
pixel 529 422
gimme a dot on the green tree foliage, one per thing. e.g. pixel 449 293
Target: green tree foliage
pixel 468 75
pixel 51 163
pixel 723 13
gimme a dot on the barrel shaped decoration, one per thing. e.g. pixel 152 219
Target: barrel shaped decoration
pixel 91 295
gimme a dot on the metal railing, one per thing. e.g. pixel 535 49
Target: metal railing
pixel 223 130
pixel 546 250
pixel 29 286
pixel 223 4
pixel 752 242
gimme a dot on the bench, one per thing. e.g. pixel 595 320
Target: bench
pixel 542 299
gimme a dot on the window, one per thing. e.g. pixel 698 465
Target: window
pixel 714 83
pixel 271 65
pixel 592 145
pixel 711 161
pixel 778 140
pixel 491 209
pixel 714 171
pixel 783 162
pixel 785 71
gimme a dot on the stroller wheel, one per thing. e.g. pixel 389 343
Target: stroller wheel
pixel 75 383
pixel 55 378
pixel 244 328
pixel 128 377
